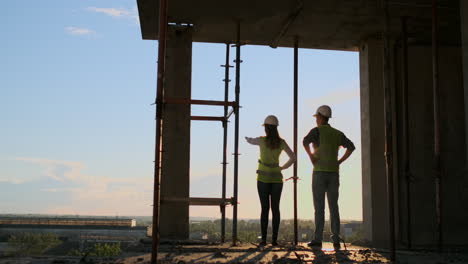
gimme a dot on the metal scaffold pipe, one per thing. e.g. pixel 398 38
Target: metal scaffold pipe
pixel 225 133
pixel 159 114
pixel 388 129
pixel 407 171
pixel 296 45
pixel 236 138
pixel 435 91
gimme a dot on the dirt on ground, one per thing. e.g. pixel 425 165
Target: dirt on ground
pixel 251 253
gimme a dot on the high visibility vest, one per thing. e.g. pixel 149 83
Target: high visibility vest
pixel 268 165
pixel 327 152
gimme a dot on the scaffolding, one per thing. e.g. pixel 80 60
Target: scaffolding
pixel 223 201
pixel 161 101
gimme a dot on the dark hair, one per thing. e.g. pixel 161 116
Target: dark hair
pixel 273 140
pixel 325 119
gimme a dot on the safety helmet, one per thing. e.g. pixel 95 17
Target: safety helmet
pixel 271 120
pixel 324 110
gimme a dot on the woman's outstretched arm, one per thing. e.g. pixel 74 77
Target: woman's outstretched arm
pixel 253 141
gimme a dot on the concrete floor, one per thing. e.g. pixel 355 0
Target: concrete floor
pixel 249 253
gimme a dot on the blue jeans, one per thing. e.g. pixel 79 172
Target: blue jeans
pixel 329 183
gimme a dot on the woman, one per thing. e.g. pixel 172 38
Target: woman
pixel 269 177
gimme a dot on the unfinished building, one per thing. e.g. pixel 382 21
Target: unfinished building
pixel 413 59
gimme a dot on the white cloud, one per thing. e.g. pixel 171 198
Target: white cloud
pixel 91 194
pixel 336 97
pixel 11 181
pixel 56 190
pixel 79 31
pixel 114 12
pixel 57 169
pixel 117 12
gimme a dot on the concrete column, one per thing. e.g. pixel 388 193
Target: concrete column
pixel 464 37
pixel 375 214
pixel 175 180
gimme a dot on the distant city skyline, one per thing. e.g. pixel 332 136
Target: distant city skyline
pixel 78 125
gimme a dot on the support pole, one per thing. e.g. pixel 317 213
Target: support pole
pixel 236 138
pixel 388 130
pixel 225 127
pixel 435 91
pixel 407 171
pixel 296 44
pixel 159 114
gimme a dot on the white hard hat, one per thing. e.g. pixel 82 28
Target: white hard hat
pixel 271 120
pixel 324 110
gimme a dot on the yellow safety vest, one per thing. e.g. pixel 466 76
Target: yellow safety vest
pixel 268 165
pixel 327 152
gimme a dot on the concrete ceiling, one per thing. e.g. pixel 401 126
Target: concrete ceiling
pixel 323 24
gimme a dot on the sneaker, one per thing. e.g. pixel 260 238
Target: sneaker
pixel 315 243
pixel 336 245
pixel 262 244
pixel 274 243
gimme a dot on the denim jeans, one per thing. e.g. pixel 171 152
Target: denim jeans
pixel 329 183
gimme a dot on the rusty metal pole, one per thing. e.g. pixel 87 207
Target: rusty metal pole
pixel 407 173
pixel 236 138
pixel 159 114
pixel 296 58
pixel 225 127
pixel 435 91
pixel 388 129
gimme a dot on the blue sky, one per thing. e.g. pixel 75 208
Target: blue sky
pixel 77 131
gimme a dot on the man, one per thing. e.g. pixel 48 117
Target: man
pixel 326 141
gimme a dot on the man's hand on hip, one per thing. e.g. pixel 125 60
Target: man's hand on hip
pixel 313 158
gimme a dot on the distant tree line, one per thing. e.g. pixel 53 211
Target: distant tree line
pixel 27 244
pixel 249 230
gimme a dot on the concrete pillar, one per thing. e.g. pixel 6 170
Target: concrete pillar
pixel 175 180
pixel 375 214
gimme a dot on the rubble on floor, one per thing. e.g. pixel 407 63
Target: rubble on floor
pixel 251 253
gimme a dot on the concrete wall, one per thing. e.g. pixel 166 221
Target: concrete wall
pixel 421 147
pixel 420 140
pixel 454 188
pixel 375 215
pixel 464 36
pixel 175 180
